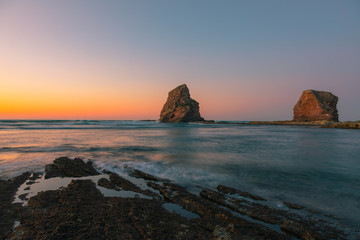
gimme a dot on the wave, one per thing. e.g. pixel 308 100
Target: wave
pixel 71 148
pixel 93 124
pixel 75 124
pixel 189 177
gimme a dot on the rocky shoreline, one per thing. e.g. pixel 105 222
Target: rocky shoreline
pixel 346 125
pixel 322 124
pixel 97 204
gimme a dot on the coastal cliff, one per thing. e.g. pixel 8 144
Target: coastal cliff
pixel 316 106
pixel 180 107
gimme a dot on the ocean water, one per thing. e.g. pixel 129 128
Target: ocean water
pixel 314 167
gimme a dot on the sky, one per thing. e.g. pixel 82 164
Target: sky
pixel 242 60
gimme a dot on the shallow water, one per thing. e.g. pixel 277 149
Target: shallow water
pixel 42 184
pixel 310 166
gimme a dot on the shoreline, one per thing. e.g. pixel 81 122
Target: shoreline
pixel 92 204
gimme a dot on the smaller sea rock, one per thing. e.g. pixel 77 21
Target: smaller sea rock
pixel 316 105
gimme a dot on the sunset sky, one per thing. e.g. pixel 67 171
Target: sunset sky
pixel 242 60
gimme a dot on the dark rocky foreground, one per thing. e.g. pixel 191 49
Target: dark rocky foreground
pixel 81 211
pixel 9 211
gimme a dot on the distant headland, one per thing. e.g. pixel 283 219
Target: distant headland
pixel 317 108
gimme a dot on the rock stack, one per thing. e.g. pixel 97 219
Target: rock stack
pixel 179 107
pixel 315 106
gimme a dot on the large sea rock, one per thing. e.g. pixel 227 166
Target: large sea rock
pixel 316 105
pixel 179 107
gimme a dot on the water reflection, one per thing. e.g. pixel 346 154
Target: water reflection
pixel 180 145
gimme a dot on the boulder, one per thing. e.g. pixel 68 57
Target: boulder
pixel 316 105
pixel 179 107
pixel 65 167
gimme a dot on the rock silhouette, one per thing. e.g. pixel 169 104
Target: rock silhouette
pixel 179 107
pixel 316 105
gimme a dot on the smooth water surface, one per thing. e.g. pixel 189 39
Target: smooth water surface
pixel 310 166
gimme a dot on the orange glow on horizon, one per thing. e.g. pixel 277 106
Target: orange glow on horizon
pixel 72 109
pixel 81 105
pixel 47 92
pixel 36 98
pixel 42 95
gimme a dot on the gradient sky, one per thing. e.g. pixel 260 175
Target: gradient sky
pixel 242 60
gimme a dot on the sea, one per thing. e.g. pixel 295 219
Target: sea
pixel 307 165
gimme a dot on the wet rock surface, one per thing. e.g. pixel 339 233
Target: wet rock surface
pixel 65 167
pixel 125 184
pixel 81 211
pixel 139 174
pixel 103 182
pixel 316 105
pixel 289 122
pixel 179 107
pixel 225 189
pixel 213 217
pixel 296 224
pixel 345 125
pixel 293 205
pixel 8 211
pixel 320 123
